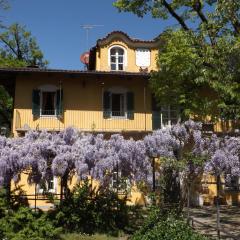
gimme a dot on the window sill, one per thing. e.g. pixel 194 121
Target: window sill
pixel 41 191
pixel 48 116
pixel 117 118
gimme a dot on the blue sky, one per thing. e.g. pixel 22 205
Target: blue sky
pixel 56 26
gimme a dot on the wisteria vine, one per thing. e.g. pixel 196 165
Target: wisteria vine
pixel 70 152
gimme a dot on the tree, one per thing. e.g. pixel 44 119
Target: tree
pixel 17 49
pixel 20 48
pixel 201 56
pixel 5 107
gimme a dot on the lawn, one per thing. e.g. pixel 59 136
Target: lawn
pixel 93 237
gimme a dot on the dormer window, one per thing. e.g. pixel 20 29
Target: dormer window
pixel 117 58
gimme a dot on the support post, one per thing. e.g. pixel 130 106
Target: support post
pixel 188 201
pixel 153 175
pixel 154 180
pixel 61 190
pixel 218 206
pixel 35 198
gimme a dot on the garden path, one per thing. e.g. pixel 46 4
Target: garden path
pixel 204 221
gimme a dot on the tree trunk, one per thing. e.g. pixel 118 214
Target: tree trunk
pixel 188 201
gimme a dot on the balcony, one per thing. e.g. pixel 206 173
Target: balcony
pixel 98 121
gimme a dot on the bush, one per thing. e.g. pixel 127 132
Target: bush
pixel 18 222
pixel 89 211
pixel 24 224
pixel 87 237
pixel 166 226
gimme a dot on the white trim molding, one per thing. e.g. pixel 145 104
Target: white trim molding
pixel 125 56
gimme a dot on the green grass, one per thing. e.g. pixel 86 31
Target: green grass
pixel 87 237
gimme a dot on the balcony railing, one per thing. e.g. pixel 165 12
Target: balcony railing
pixel 104 121
pixel 84 120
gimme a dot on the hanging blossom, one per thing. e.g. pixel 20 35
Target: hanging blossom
pixel 47 154
pixel 167 142
pixel 89 149
pixel 13 150
pixel 222 154
pixel 64 161
pixel 160 144
pixel 141 165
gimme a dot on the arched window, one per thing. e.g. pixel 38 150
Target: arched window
pixel 117 58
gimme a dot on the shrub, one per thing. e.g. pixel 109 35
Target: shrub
pixel 25 224
pixel 166 226
pixel 86 210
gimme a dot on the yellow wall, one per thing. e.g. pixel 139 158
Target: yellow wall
pixel 83 108
pixel 102 62
pixel 229 197
pixel 134 197
pixel 82 104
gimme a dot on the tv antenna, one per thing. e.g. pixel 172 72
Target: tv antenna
pixel 88 27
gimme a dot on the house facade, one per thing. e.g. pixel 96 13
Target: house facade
pixel 111 96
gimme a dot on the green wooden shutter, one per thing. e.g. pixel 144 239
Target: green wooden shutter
pixel 59 103
pixel 36 103
pixel 130 105
pixel 106 104
pixel 156 120
pixel 156 114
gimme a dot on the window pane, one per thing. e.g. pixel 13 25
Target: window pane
pixel 113 51
pixel 120 59
pixel 120 66
pixel 120 51
pixel 118 104
pixel 113 66
pixel 51 184
pixel 113 59
pixel 48 103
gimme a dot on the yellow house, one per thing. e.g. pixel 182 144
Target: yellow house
pixel 111 96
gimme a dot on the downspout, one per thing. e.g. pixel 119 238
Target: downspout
pixel 60 102
pixel 145 111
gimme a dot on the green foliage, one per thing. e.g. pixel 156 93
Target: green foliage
pixel 163 225
pixel 178 81
pixel 199 64
pixel 6 103
pixel 19 48
pixel 87 237
pixel 18 222
pixel 89 210
pixel 25 224
pixel 197 79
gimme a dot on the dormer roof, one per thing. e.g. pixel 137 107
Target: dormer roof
pixel 131 42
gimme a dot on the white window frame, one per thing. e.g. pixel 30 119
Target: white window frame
pixel 169 110
pixel 143 50
pixel 53 190
pixel 235 187
pixel 48 88
pixel 116 183
pixel 124 57
pixel 119 90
